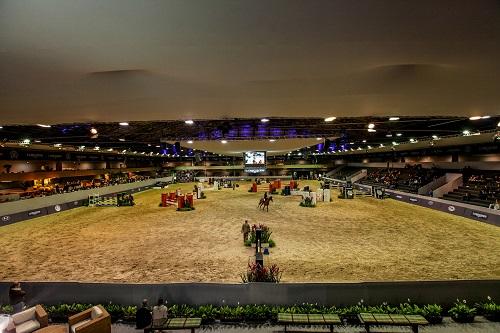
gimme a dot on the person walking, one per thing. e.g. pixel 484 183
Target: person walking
pixel 245 230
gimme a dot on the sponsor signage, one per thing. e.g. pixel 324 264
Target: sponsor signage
pixel 480 215
pixel 451 208
pixel 57 208
pixel 413 199
pixel 34 212
pixel 5 218
pixel 430 203
pixel 399 196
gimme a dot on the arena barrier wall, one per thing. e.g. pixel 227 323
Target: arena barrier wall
pixel 17 211
pixel 420 292
pixel 477 213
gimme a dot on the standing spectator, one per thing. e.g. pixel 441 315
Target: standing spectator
pixel 496 205
pixel 160 312
pixel 143 316
pixel 245 230
pixel 16 297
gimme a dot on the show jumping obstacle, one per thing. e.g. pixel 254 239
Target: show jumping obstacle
pixel 177 199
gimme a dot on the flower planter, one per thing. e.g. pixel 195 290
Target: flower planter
pixel 463 318
pixel 434 319
pixel 264 245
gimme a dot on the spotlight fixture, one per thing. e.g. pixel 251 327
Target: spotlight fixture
pixel 223 141
pixel 157 146
pixel 122 140
pixel 190 141
pixel 435 137
pixel 371 130
pixel 364 141
pixel 264 120
pixel 1 127
pixel 399 134
pixel 329 119
pixel 57 145
pixel 123 124
pixel 37 141
pixel 371 125
pixel 96 148
pixel 393 118
pixel 485 117
pixel 44 126
pixel 466 132
pixel 110 149
pixel 318 139
pixel 272 140
pixel 93 131
pixel 189 122
pixel 389 135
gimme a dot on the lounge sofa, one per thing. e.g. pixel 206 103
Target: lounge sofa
pixel 30 320
pixel 93 320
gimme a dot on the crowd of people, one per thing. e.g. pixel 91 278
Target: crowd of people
pixel 66 186
pixel 482 186
pixel 411 178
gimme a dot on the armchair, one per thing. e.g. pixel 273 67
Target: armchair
pixel 93 320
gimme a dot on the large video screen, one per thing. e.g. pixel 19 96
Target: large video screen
pixel 257 158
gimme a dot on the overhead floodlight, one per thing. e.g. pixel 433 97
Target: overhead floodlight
pixel 364 141
pixel 123 124
pixel 96 148
pixel 498 125
pixel 329 119
pixel 399 134
pixel 435 137
pixel 157 146
pixel 272 140
pixel 57 145
pixel 189 122
pixel 223 141
pixel 371 125
pixel 300 154
pixel 485 117
pixel 1 127
pixel 466 132
pixel 318 139
pixel 122 140
pixel 190 141
pixel 44 126
pixel 389 135
pixel 264 120
pixel 93 131
pixel 110 149
pixel 475 118
pixel 371 130
pixel 393 118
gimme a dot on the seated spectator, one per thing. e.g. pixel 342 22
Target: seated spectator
pixel 466 196
pixel 143 316
pixel 160 312
pixel 496 205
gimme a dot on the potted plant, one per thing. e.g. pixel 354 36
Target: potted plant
pixel 433 313
pixel 490 310
pixel 462 313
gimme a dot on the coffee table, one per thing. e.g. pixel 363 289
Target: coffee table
pixel 53 329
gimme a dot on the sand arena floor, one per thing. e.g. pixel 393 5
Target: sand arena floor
pixel 356 240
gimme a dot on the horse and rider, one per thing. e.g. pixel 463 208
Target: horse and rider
pixel 264 202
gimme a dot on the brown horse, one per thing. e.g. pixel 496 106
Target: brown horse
pixel 264 202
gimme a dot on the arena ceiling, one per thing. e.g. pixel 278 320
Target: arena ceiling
pixel 231 136
pixel 122 60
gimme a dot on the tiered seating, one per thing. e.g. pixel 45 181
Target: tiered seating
pixel 408 179
pixel 480 189
pixel 346 172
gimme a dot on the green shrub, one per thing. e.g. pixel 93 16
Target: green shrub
pixel 490 310
pixel 462 313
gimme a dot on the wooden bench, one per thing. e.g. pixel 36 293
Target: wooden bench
pixel 174 324
pixel 379 319
pixel 309 319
